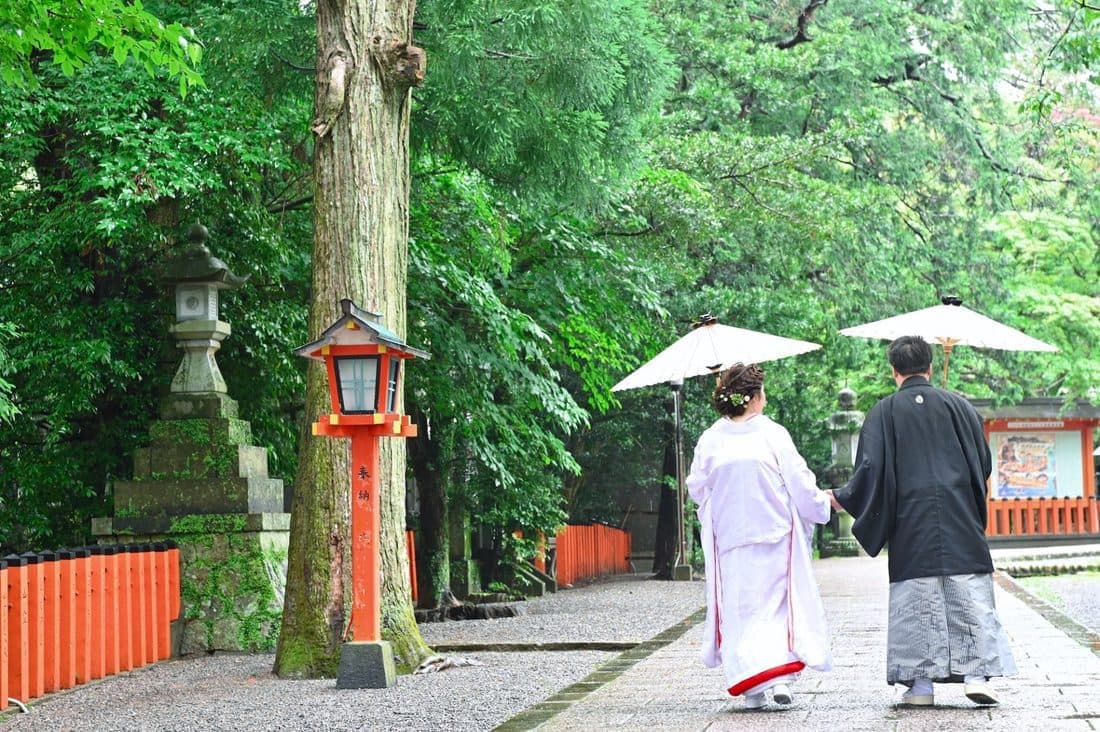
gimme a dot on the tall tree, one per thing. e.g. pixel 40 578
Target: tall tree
pixel 366 67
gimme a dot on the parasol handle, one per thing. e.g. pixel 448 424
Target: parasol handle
pixel 948 344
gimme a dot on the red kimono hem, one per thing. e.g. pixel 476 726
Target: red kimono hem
pixel 788 668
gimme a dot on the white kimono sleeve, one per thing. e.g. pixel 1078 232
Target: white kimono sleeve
pixel 811 503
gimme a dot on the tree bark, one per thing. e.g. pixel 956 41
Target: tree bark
pixel 365 68
pixel 667 541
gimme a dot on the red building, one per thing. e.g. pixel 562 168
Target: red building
pixel 1044 482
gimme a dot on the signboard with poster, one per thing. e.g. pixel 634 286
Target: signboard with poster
pixel 1025 466
pixel 1044 479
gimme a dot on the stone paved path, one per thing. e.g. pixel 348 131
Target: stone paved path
pixel 1058 687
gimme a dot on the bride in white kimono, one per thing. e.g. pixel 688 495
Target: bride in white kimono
pixel 758 502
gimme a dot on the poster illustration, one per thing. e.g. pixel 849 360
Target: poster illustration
pixel 1025 466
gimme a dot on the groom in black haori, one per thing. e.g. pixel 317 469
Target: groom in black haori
pixel 919 486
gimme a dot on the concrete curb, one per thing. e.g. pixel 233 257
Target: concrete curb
pixel 1081 634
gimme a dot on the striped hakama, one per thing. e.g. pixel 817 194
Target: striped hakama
pixel 945 628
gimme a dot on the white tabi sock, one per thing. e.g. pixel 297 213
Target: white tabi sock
pixel 921 687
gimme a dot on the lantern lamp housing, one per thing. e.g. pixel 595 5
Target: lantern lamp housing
pixel 363 359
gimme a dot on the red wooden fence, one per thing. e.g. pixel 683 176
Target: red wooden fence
pixel 70 616
pixel 1042 516
pixel 590 550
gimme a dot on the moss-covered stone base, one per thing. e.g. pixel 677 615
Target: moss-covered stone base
pixel 232 579
pixel 200 483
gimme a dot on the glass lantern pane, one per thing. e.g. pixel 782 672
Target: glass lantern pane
pixel 391 389
pixel 358 383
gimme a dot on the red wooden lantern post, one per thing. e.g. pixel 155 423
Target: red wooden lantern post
pixel 363 359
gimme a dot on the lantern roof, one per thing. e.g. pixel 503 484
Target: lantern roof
pixel 357 326
pixel 197 264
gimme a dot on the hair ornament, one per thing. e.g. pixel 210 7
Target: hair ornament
pixel 736 399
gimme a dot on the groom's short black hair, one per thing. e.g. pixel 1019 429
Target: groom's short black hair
pixel 910 355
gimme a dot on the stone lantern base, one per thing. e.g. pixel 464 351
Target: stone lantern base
pixel 202 484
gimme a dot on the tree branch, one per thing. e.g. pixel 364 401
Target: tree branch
pixel 758 202
pixel 997 165
pixel 279 206
pixel 651 229
pixel 804 18
pixel 491 53
pixel 291 64
pixel 772 164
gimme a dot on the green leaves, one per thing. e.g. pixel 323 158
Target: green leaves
pixel 69 35
pixel 101 173
pixel 569 85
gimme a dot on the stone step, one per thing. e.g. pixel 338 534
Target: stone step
pixel 219 431
pixel 163 460
pixel 182 496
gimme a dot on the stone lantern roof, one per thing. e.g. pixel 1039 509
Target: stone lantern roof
pixel 197 264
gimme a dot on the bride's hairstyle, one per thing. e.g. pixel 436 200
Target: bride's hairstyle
pixel 736 386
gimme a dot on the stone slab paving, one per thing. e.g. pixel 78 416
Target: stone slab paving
pixel 1058 687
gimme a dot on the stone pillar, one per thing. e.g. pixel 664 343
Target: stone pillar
pixel 465 570
pixel 203 484
pixel 843 426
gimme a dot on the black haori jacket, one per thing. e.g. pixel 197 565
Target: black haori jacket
pixel 919 483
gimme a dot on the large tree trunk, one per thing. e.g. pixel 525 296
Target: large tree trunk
pixel 667 543
pixel 365 68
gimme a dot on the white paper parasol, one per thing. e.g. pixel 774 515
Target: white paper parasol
pixel 950 325
pixel 709 348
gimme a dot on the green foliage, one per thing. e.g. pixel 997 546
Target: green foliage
pixel 100 172
pixel 71 35
pixel 569 84
pixel 8 410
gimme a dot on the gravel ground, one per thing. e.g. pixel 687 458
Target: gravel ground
pixel 623 608
pixel 237 692
pixel 1076 595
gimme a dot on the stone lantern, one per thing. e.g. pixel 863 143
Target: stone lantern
pixel 202 483
pixel 198 389
pixel 844 426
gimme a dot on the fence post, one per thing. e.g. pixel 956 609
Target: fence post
pixel 148 562
pixel 137 605
pixel 125 611
pixel 83 637
pixel 67 597
pixel 3 634
pixel 99 610
pixel 164 630
pixel 51 621
pixel 173 579
pixel 18 660
pixel 110 603
pixel 36 626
